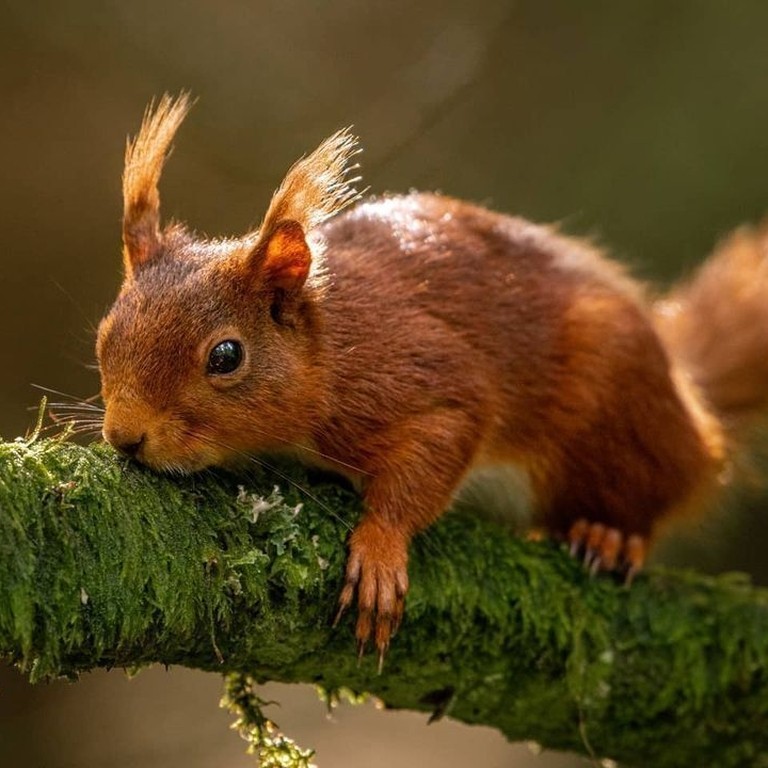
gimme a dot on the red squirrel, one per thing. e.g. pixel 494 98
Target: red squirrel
pixel 413 338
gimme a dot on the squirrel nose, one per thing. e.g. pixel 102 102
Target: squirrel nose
pixel 125 441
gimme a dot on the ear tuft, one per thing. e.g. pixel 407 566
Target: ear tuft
pixel 317 186
pixel 144 159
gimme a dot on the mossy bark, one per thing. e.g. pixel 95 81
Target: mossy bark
pixel 103 563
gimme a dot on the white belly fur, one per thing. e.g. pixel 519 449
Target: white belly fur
pixel 501 493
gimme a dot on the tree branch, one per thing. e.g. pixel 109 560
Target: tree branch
pixel 103 563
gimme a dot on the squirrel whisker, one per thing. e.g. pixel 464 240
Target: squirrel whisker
pixel 76 398
pixel 307 449
pixel 272 468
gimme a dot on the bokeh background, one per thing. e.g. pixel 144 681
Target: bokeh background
pixel 642 123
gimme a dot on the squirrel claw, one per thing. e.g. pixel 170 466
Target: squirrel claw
pixel 352 577
pixel 634 554
pixel 382 654
pixel 607 549
pixel 577 535
pixel 343 605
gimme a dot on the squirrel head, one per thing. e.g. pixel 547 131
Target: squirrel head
pixel 208 350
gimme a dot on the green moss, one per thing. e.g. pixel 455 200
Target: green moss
pixel 104 564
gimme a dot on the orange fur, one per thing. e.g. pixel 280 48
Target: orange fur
pixel 439 338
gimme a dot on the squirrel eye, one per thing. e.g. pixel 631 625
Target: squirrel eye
pixel 225 357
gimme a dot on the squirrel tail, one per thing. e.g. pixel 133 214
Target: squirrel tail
pixel 716 326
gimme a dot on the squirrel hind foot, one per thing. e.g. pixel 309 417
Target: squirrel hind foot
pixel 605 549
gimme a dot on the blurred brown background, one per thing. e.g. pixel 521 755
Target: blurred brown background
pixel 644 123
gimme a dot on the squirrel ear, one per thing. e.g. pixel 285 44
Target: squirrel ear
pixel 284 258
pixel 144 159
pixel 315 188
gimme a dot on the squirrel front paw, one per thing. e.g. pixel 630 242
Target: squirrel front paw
pixel 377 568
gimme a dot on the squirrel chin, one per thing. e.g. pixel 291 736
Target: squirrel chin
pixel 186 461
